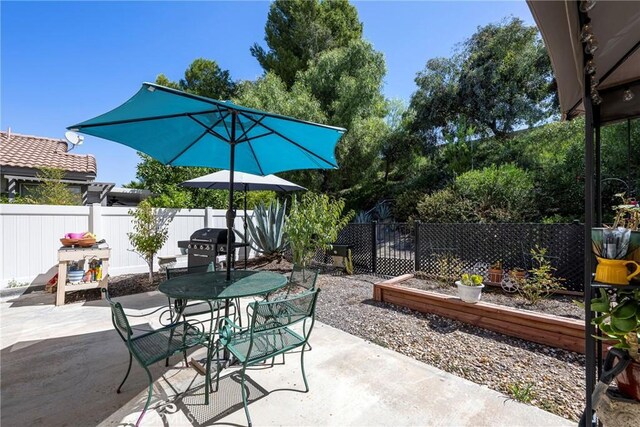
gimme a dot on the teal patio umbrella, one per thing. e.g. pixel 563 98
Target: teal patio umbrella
pixel 182 129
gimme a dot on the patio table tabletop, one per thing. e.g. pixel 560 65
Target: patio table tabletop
pixel 214 286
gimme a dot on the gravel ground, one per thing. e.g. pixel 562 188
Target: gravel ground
pixel 549 378
pixel 560 305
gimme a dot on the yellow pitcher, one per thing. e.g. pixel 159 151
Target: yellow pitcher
pixel 614 271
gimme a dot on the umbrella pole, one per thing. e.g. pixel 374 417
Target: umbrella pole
pixel 231 214
pixel 245 226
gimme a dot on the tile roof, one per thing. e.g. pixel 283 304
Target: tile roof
pixel 28 151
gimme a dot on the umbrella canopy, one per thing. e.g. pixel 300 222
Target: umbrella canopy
pixel 181 129
pixel 616 27
pixel 242 181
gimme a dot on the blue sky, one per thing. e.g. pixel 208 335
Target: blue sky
pixel 64 62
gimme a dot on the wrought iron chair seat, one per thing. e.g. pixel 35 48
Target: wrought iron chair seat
pixel 265 345
pixel 165 342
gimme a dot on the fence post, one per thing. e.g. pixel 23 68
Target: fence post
pixel 374 246
pixel 416 224
pixel 208 214
pixel 95 219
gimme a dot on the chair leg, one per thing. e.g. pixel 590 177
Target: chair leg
pixel 304 377
pixel 244 397
pixel 186 362
pixel 146 405
pixel 238 311
pixel 126 375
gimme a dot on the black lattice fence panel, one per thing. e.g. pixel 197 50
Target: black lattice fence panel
pixel 445 250
pixel 395 248
pixel 360 238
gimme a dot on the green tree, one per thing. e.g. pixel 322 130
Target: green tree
pixel 203 77
pixel 298 30
pixel 52 191
pixel 500 80
pixel 313 224
pixel 270 93
pixel 348 82
pixel 150 231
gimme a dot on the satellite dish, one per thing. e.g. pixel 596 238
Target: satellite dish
pixel 74 138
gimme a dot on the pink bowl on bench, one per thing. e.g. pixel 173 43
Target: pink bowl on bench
pixel 74 235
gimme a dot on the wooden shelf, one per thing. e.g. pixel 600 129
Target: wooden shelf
pixel 67 255
pixel 82 286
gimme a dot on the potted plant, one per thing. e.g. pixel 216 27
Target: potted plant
pixel 495 272
pixel 470 288
pixel 517 273
pixel 618 247
pixel 619 322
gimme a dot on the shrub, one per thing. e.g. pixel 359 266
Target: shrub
pixel 313 224
pixel 51 191
pixel 541 283
pixel 150 231
pixel 498 193
pixel 445 206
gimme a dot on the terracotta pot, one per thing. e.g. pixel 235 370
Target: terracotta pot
pixel 629 380
pixel 495 275
pixel 517 274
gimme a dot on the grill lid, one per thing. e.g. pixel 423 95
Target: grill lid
pixel 211 235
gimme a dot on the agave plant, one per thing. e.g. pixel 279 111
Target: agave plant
pixel 362 218
pixel 265 232
pixel 383 212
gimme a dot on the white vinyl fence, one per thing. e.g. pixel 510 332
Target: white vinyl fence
pixel 30 236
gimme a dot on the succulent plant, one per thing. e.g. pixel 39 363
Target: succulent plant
pixel 266 229
pixel 471 280
pixel 619 322
pixel 362 218
pixel 383 212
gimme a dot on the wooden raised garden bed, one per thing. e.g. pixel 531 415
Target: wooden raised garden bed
pixel 554 331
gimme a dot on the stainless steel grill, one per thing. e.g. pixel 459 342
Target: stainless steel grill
pixel 204 245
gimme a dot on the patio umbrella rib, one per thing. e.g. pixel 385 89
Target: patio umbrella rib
pixel 210 128
pixel 206 131
pixel 254 137
pixel 244 132
pixel 289 140
pixel 141 119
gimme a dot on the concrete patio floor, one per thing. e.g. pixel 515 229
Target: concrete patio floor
pixel 61 366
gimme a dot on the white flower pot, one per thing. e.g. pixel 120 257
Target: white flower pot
pixel 470 294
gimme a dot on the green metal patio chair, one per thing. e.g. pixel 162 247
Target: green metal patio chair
pixel 153 346
pixel 301 280
pixel 269 334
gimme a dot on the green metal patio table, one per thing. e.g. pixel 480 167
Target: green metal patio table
pixel 213 286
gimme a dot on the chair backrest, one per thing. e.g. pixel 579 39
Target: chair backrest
pixel 304 277
pixel 277 314
pixel 118 317
pixel 181 271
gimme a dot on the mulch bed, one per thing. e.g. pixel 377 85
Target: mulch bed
pixel 559 305
pixel 549 378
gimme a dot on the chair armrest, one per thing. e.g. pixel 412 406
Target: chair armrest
pixel 227 329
